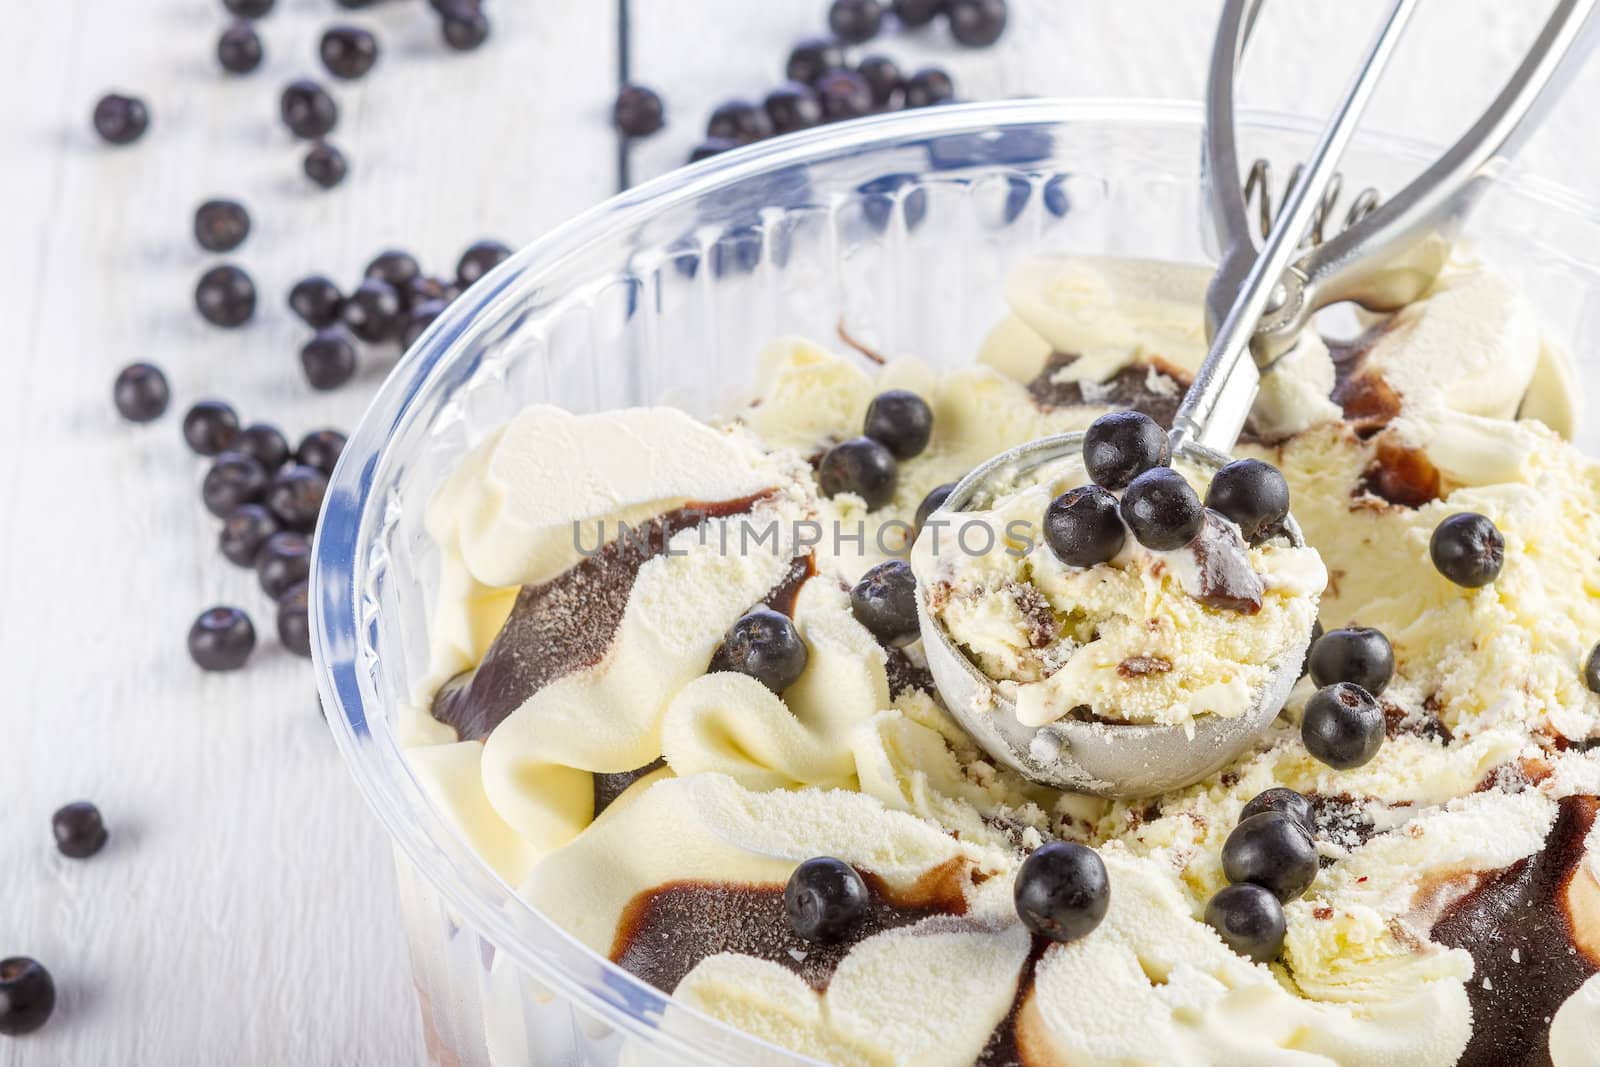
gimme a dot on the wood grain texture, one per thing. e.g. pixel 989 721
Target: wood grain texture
pixel 245 909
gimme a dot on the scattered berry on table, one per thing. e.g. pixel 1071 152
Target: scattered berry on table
pixel 1062 891
pixel 885 602
pixel 929 86
pixel 765 645
pixel 463 25
pixel 479 259
pixel 418 319
pixel 861 466
pixel 711 146
pixel 855 21
pixel 426 287
pixel 1342 726
pixel 121 120
pixel 325 165
pixel 210 427
pixel 1359 655
pixel 844 94
pixel 295 496
pixel 221 639
pixel 221 225
pixel 1122 445
pixel 249 9
pixel 1162 509
pixel 294 619
pixel 1271 850
pixel 307 109
pixel 239 49
pixel 316 300
pixel 283 562
pixel 884 77
pixel 900 420
pixel 976 23
pixel 328 359
pixel 348 51
pixel 1468 549
pixel 914 13
pixel 244 531
pixel 1249 919
pixel 792 106
pixel 141 393
pixel 638 111
pixel 374 312
pixel 320 449
pixel 813 57
pixel 739 121
pixel 234 479
pixel 225 296
pixel 1251 493
pixel 825 899
pixel 396 267
pixel 1083 526
pixel 79 830
pixel 27 996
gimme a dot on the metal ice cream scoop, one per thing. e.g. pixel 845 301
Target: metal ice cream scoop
pixel 1256 306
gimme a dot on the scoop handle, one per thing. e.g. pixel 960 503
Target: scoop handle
pixel 1219 399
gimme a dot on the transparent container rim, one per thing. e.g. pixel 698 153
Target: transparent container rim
pixel 351 510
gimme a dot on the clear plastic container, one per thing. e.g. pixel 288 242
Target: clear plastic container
pixel 897 232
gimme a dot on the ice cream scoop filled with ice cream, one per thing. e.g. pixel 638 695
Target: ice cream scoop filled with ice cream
pixel 1109 617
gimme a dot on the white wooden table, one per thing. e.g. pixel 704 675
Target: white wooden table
pixel 243 910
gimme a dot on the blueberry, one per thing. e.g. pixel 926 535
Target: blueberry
pixel 426 287
pixel 27 996
pixel 295 496
pixel 265 444
pixel 1342 726
pixel 320 449
pixel 463 26
pixel 855 21
pixel 80 831
pixel 248 9
pixel 234 479
pixel 711 146
pixel 141 393
pixel 638 111
pixel 739 121
pixel 1591 670
pixel 1119 447
pixel 121 120
pixel 210 427
pixel 244 531
pixel 793 106
pixel 1358 655
pixel 916 12
pixel 478 260
pixel 1285 801
pixel 901 421
pixel 294 619
pixel 325 165
pixel 1083 526
pixel 1273 851
pixel 1062 891
pixel 418 319
pixel 374 312
pixel 812 58
pixel 1162 510
pixel 221 639
pixel 933 502
pixel 348 51
pixel 221 225
pixel 929 86
pixel 399 269
pixel 225 296
pixel 883 76
pixel 844 95
pixel 824 900
pixel 316 300
pixel 239 49
pixel 283 563
pixel 307 109
pixel 977 23
pixel 1468 549
pixel 885 602
pixel 328 359
pixel 1252 494
pixel 861 466
pixel 765 645
pixel 1249 920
